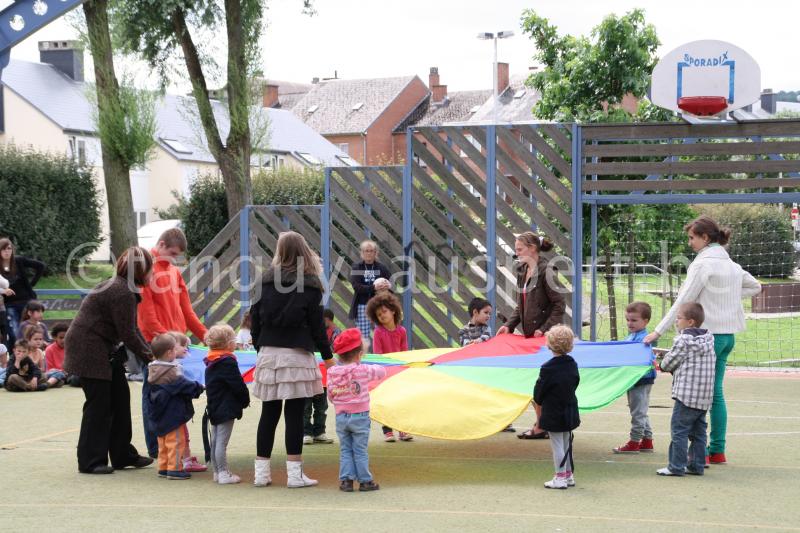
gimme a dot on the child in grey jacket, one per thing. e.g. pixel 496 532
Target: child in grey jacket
pixel 691 361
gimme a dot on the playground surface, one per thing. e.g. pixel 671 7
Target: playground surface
pixel 493 484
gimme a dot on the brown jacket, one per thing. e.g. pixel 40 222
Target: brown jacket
pixel 107 316
pixel 544 301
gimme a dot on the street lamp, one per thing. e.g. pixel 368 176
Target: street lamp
pixel 486 36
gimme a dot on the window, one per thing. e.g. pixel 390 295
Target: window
pixel 358 106
pixel 312 108
pixel 77 150
pixel 347 160
pixel 177 146
pixel 309 159
pixel 82 153
pixel 141 218
pixel 519 94
pixel 344 147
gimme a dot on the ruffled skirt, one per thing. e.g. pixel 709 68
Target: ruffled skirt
pixel 286 373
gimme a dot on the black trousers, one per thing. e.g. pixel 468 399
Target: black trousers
pixel 106 429
pixel 292 419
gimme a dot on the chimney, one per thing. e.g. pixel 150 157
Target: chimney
pixel 66 56
pixel 314 80
pixel 433 77
pixel 502 77
pixel 270 95
pixel 768 101
pixel 439 92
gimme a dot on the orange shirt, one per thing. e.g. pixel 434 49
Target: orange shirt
pixel 165 304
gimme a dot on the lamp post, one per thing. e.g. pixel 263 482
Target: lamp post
pixel 486 36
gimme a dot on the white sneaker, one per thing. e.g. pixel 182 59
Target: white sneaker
pixel 227 478
pixel 571 481
pixel 666 472
pixel 323 439
pixel 308 439
pixel 556 483
pixel 216 476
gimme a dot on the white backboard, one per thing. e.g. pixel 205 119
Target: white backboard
pixel 706 68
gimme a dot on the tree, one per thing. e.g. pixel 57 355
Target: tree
pixel 157 29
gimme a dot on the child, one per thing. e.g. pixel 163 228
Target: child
pixel 385 312
pixel 54 354
pixel 637 315
pixel 317 406
pixel 190 463
pixel 3 317
pixel 227 396
pixel 477 329
pixel 3 363
pixel 169 406
pixel 691 361
pixel 22 374
pixel 33 335
pixel 349 392
pixel 330 327
pixel 32 315
pixel 555 393
pixel 244 341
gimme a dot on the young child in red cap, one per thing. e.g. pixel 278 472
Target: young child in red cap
pixel 348 390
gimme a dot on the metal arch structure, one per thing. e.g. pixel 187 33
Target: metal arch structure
pixel 22 18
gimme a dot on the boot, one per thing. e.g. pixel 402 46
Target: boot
pixel 262 475
pixel 295 476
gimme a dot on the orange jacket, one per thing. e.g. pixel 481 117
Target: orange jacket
pixel 165 304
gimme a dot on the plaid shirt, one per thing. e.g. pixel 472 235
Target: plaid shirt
pixel 691 361
pixel 472 332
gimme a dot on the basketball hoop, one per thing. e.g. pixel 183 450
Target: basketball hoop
pixel 703 106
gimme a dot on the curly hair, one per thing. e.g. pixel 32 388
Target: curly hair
pixel 388 300
pixel 560 339
pixel 220 336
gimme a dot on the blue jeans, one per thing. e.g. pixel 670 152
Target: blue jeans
pixel 150 437
pixel 353 432
pixel 13 314
pixel 687 451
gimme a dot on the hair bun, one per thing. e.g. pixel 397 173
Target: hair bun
pixel 724 236
pixel 546 245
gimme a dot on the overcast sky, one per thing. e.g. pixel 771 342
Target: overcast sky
pixel 379 38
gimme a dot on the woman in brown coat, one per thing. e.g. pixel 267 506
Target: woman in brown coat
pixel 540 298
pixel 95 350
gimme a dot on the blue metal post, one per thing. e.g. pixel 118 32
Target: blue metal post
pixel 408 236
pixel 593 312
pixel 491 219
pixel 577 233
pixel 325 232
pixel 244 259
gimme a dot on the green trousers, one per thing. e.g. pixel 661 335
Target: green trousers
pixel 723 345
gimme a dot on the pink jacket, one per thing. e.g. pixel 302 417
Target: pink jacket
pixel 385 341
pixel 348 386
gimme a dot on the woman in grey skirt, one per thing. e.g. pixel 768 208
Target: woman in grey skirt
pixel 287 328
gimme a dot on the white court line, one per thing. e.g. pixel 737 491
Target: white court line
pixel 668 412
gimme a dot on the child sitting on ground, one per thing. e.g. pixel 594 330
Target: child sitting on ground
pixel 349 391
pixel 637 315
pixel 386 314
pixel 190 463
pixel 692 361
pixel 317 407
pixel 22 374
pixel 477 329
pixel 54 354
pixel 555 393
pixel 244 340
pixel 170 406
pixel 32 315
pixel 227 397
pixel 51 378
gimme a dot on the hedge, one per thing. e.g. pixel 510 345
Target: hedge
pixel 51 206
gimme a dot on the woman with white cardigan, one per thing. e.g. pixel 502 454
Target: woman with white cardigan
pixel 718 284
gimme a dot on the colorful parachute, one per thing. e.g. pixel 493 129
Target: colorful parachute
pixel 474 392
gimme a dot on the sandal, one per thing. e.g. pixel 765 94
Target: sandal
pixel 530 435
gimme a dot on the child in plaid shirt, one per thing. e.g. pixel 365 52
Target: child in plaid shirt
pixel 477 329
pixel 691 361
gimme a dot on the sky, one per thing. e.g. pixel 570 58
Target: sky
pixel 381 38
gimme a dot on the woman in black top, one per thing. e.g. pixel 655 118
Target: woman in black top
pixel 363 276
pixel 20 288
pixel 287 328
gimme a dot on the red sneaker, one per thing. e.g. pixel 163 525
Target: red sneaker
pixel 707 463
pixel 631 446
pixel 717 459
pixel 646 446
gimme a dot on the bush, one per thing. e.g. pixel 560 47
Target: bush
pixel 51 206
pixel 761 239
pixel 287 186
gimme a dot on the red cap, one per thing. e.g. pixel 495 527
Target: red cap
pixel 348 340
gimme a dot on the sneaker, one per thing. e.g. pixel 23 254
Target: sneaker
pixel 389 437
pixel 368 486
pixel 693 472
pixel 570 480
pixel 191 465
pixel 708 463
pixel 178 475
pixel 216 477
pixel 308 439
pixel 323 439
pixel 162 473
pixel 225 477
pixel 717 459
pixel 556 483
pixel 667 472
pixel 406 436
pixel 509 429
pixel 646 446
pixel 346 485
pixel 631 446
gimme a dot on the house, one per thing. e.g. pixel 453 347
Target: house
pixel 360 116
pixel 46 106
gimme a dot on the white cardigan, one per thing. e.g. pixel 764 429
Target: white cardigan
pixel 718 284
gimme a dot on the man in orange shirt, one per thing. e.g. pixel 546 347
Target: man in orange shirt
pixel 165 306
